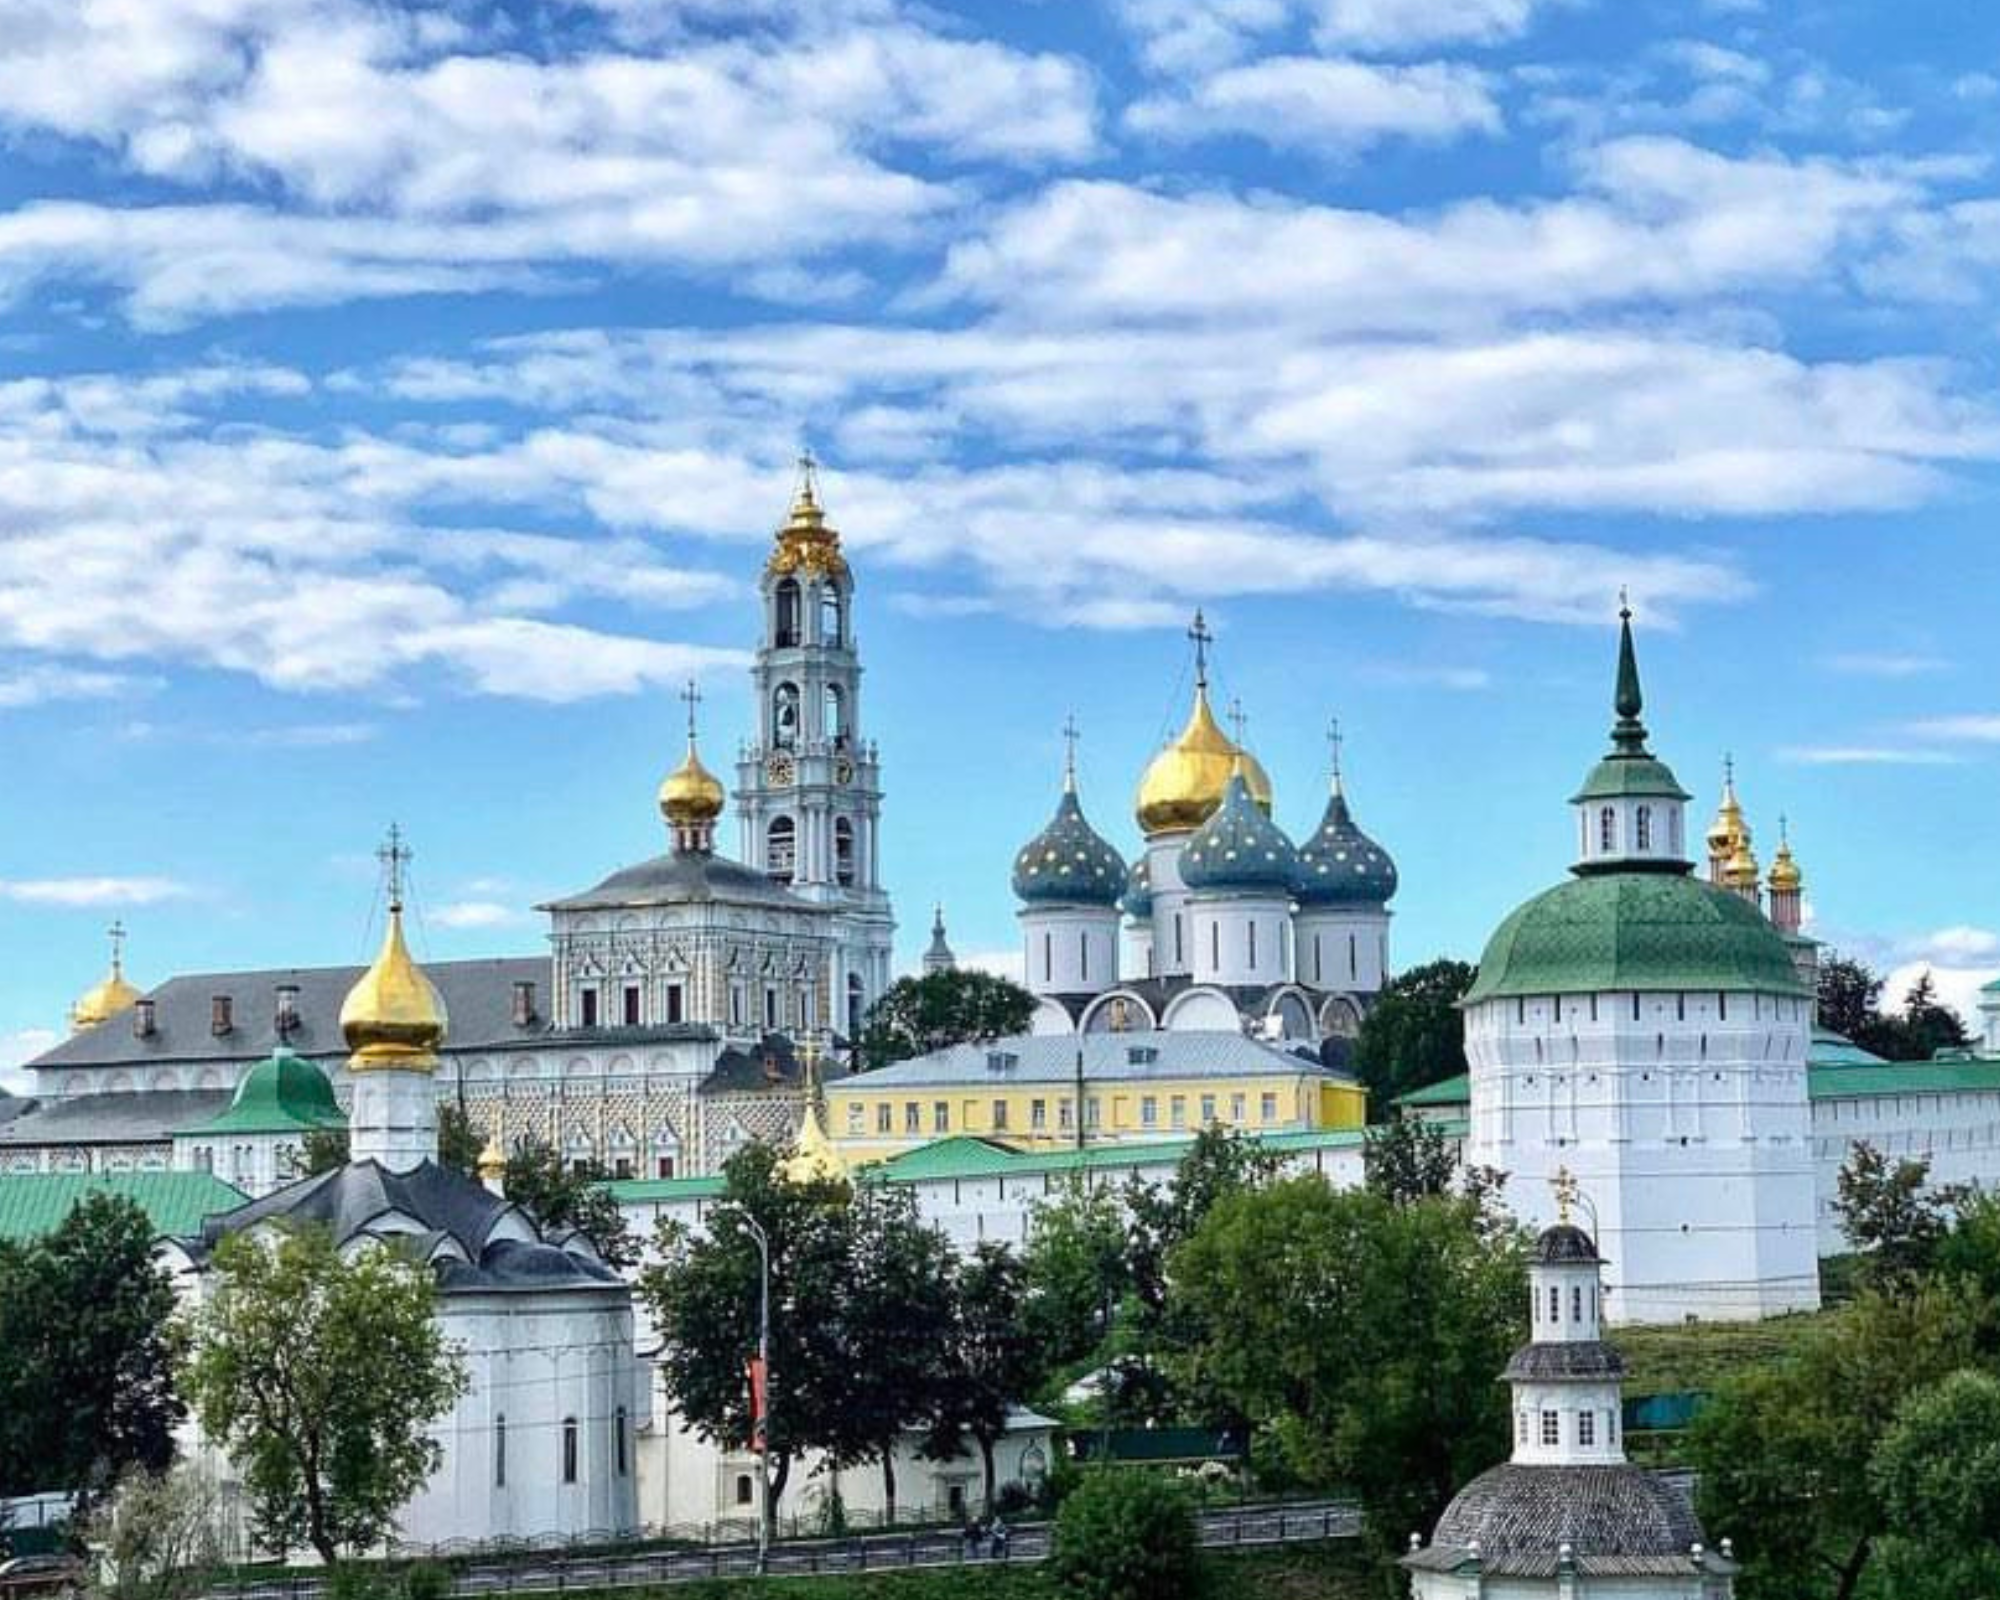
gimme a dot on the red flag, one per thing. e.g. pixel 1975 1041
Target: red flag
pixel 756 1402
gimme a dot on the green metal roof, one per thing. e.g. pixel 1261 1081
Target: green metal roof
pixel 1619 777
pixel 1963 1076
pixel 653 1191
pixel 1447 1092
pixel 284 1093
pixel 1830 1049
pixel 35 1203
pixel 1635 930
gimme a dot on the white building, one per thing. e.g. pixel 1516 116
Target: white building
pixel 1648 1033
pixel 1568 1518
pixel 544 1440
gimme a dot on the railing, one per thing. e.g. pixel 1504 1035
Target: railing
pixel 553 1570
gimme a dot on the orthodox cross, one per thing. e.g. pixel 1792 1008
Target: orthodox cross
pixel 1071 733
pixel 1624 603
pixel 1202 640
pixel 691 698
pixel 116 932
pixel 1564 1184
pixel 808 475
pixel 394 856
pixel 1238 721
pixel 1333 744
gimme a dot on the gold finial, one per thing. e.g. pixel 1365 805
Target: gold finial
pixel 814 1158
pixel 1786 876
pixel 1565 1185
pixel 111 994
pixel 690 796
pixel 492 1160
pixel 1239 719
pixel 393 1016
pixel 1185 782
pixel 806 544
pixel 808 490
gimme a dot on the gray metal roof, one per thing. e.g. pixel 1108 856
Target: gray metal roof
pixel 680 878
pixel 1520 1516
pixel 142 1117
pixel 1556 1362
pixel 478 997
pixel 1051 1058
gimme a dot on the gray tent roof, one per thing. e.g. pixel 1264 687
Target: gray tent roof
pixel 680 878
pixel 1521 1516
pixel 140 1117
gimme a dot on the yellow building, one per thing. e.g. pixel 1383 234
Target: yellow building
pixel 1025 1091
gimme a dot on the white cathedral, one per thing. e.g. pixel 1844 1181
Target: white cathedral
pixel 1222 923
pixel 675 1016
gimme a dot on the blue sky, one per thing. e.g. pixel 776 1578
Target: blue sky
pixel 394 402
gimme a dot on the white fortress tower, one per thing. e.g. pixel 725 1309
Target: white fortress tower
pixel 808 787
pixel 1647 1032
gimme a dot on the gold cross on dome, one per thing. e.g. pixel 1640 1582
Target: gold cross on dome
pixel 116 933
pixel 1202 640
pixel 1565 1185
pixel 691 698
pixel 1071 733
pixel 394 856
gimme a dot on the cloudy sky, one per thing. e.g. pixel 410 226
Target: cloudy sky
pixel 394 401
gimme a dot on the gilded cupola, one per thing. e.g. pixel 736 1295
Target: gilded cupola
pixel 1786 876
pixel 807 544
pixel 111 994
pixel 1728 834
pixel 393 1016
pixel 691 796
pixel 1184 784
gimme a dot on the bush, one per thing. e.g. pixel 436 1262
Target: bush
pixel 426 1580
pixel 1126 1536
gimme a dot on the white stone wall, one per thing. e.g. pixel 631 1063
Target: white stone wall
pixel 1638 828
pixel 1172 952
pixel 1340 949
pixel 1243 939
pixel 1069 949
pixel 1683 1117
pixel 1959 1134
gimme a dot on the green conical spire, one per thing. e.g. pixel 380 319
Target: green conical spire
pixel 1628 734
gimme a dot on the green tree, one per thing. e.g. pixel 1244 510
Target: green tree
pixel 87 1347
pixel 563 1194
pixel 1891 1214
pixel 992 1361
pixel 1078 1269
pixel 1782 1452
pixel 1406 1159
pixel 1937 1471
pixel 321 1376
pixel 1850 997
pixel 159 1535
pixel 702 1293
pixel 961 1006
pixel 1414 1035
pixel 1126 1536
pixel 322 1150
pixel 459 1143
pixel 1366 1336
pixel 1927 1024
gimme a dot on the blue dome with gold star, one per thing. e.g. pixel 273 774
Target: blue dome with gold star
pixel 1069 862
pixel 1239 848
pixel 1340 865
pixel 1138 900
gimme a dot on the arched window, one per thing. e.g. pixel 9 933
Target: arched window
pixel 785 716
pixel 832 619
pixel 843 851
pixel 854 1005
pixel 1643 820
pixel 781 849
pixel 787 599
pixel 1607 830
pixel 833 718
pixel 569 1450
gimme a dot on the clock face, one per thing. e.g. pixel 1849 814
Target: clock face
pixel 779 771
pixel 843 771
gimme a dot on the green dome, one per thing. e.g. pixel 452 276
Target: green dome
pixel 1621 777
pixel 282 1093
pixel 1635 930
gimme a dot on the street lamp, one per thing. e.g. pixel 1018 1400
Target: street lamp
pixel 763 1418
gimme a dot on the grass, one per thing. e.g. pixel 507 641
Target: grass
pixel 1302 1572
pixel 1695 1357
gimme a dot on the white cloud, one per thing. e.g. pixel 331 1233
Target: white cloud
pixel 1957 987
pixel 84 892
pixel 1190 35
pixel 1886 663
pixel 16 1048
pixel 35 685
pixel 478 914
pixel 1009 964
pixel 1326 104
pixel 1978 728
pixel 1865 755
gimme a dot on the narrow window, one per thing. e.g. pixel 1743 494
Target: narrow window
pixel 1038 1115
pixel 589 1004
pixel 1177 1111
pixel 1611 1426
pixel 1722 1008
pixel 1576 1302
pixel 1270 1108
pixel 1607 830
pixel 1644 827
pixel 1635 1005
pixel 941 1117
pixel 1593 1007
pixel 885 1118
pixel 1551 1428
pixel 1215 947
pixel 1237 1108
pixel 1555 1304
pixel 1520 1427
pixel 770 1008
pixel 912 1117
pixel 1207 1109
pixel 1680 1008
pixel 743 1489
pixel 500 1452
pixel 1149 1111
pixel 1048 956
pixel 1318 975
pixel 1065 1114
pixel 1179 958
pixel 631 1005
pixel 1353 958
pixel 1000 1116
pixel 622 1469
pixel 1586 1428
pixel 675 1001
pixel 1083 954
pixel 1251 930
pixel 569 1450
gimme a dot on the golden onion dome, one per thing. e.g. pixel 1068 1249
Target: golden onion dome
pixel 690 793
pixel 1185 782
pixel 394 1016
pixel 807 543
pixel 1740 871
pixel 1728 832
pixel 104 999
pixel 1786 878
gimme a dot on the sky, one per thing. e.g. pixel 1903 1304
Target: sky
pixel 396 402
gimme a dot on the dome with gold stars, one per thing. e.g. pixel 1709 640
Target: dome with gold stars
pixel 1184 784
pixel 393 1016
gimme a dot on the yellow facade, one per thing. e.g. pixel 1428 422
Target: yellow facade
pixel 874 1123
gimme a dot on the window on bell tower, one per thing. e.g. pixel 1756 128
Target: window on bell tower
pixel 785 716
pixel 833 717
pixel 843 851
pixel 832 618
pixel 781 842
pixel 787 632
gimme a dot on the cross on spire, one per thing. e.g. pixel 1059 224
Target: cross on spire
pixel 1565 1186
pixel 691 698
pixel 808 475
pixel 1071 733
pixel 1202 640
pixel 1334 740
pixel 1624 603
pixel 116 933
pixel 1238 720
pixel 394 856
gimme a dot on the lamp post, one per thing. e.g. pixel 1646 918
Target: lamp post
pixel 764 1412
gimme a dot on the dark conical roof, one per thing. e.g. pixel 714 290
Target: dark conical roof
pixel 1341 865
pixel 1239 848
pixel 1519 1518
pixel 1629 768
pixel 1069 862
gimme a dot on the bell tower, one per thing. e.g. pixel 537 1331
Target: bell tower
pixel 808 787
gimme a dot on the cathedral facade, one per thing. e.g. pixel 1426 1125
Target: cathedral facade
pixel 682 1000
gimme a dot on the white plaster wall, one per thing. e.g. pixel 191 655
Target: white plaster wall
pixel 1686 1127
pixel 1069 949
pixel 1171 958
pixel 1226 950
pixel 1343 950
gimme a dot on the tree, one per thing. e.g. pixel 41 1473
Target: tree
pixel 1126 1536
pixel 991 1359
pixel 1937 1471
pixel 1889 1212
pixel 1078 1270
pixel 1782 1451
pixel 159 1536
pixel 702 1294
pixel 459 1143
pixel 321 1376
pixel 1928 1025
pixel 560 1194
pixel 1850 999
pixel 1406 1159
pixel 87 1346
pixel 322 1150
pixel 1366 1336
pixel 959 1006
pixel 1414 1035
